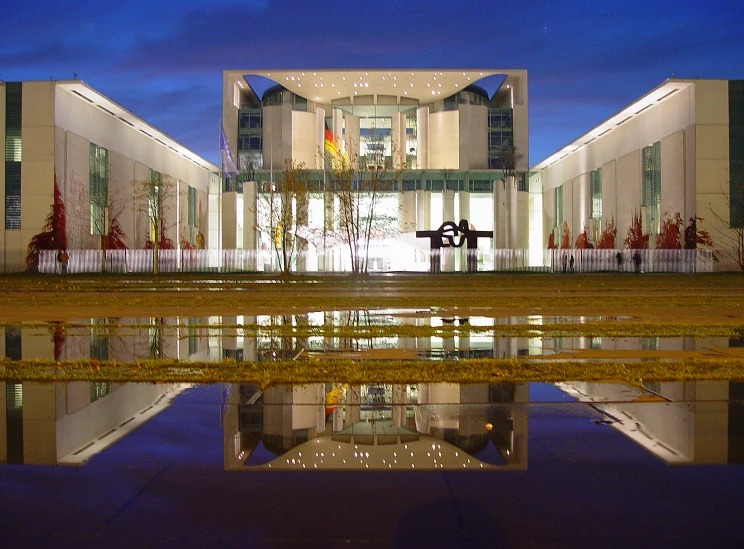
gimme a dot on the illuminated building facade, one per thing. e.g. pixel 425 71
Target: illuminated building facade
pixel 95 149
pixel 679 149
pixel 444 133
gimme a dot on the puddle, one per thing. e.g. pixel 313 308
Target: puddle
pixel 377 335
pixel 229 465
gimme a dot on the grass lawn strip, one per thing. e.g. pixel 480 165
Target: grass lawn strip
pixel 464 371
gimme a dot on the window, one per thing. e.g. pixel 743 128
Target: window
pixel 500 135
pixel 98 188
pixel 651 188
pixel 193 220
pixel 193 332
pixel 13 154
pixel 13 347
pixel 595 191
pixel 98 340
pixel 558 206
pixel 155 202
pixel 99 390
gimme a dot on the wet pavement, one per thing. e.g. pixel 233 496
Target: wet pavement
pixel 572 465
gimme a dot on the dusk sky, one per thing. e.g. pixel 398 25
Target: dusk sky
pixel 163 60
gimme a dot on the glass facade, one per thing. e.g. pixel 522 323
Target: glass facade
pixel 98 188
pixel 13 154
pixel 500 135
pixel 558 206
pixel 250 143
pixel 651 187
pixel 595 192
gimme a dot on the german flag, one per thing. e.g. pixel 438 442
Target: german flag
pixel 330 144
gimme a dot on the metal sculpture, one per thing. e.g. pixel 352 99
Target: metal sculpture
pixel 447 237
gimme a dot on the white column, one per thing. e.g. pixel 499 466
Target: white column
pixel 327 262
pixel 301 218
pixel 423 210
pixel 463 198
pixel 422 138
pixel 250 344
pixel 499 215
pixel 319 137
pixel 229 215
pixel 448 214
pixel 407 211
pixel 512 216
pixel 250 221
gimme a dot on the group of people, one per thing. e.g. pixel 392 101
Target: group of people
pixel 569 262
pixel 637 260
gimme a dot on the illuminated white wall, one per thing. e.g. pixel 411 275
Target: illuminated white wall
pixel 444 135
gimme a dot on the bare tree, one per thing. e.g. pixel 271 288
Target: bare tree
pixel 155 199
pixel 509 158
pixel 106 208
pixel 360 183
pixel 730 226
pixel 283 213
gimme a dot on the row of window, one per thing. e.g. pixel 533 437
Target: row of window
pixel 13 154
pixel 650 191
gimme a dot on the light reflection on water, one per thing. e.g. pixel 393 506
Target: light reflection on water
pixel 227 465
pixel 268 337
pixel 423 426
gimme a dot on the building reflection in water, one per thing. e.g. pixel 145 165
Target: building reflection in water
pixel 368 426
pixel 678 422
pixel 424 426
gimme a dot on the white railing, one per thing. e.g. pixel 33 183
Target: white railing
pixel 503 260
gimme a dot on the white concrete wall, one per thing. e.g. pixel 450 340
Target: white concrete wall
pixel 692 126
pixel 132 155
pixel 473 137
pixel 444 136
pixel 304 144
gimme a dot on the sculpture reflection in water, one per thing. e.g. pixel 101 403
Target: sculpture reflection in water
pixel 424 426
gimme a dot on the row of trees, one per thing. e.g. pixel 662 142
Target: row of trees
pixel 357 184
pixel 151 198
pixel 673 235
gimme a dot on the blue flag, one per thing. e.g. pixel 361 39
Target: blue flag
pixel 227 160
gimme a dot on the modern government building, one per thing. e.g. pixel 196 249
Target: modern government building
pixel 456 142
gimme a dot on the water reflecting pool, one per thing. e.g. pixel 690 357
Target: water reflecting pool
pixel 360 335
pixel 330 465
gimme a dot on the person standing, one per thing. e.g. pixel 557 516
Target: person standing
pixel 63 259
pixel 571 263
pixel 637 261
pixel 619 258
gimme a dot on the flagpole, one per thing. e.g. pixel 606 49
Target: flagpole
pixel 222 182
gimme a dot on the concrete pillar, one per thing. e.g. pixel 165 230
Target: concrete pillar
pixel 229 334
pixel 423 210
pixel 229 218
pixel 407 211
pixel 250 343
pixel 464 207
pixel 301 219
pixel 328 219
pixel 512 217
pixel 398 151
pixel 353 404
pixel 250 239
pixel 320 137
pixel 399 405
pixel 448 214
pixel 422 138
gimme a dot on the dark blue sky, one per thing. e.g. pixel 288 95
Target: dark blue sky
pixel 163 60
